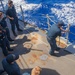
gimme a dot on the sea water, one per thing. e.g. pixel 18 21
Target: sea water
pixel 35 12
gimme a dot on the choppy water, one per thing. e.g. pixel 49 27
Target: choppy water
pixel 35 12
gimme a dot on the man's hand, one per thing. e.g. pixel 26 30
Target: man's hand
pixel 0 31
pixel 67 29
pixel 12 18
pixel 69 24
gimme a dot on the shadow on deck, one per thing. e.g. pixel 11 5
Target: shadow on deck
pixel 31 45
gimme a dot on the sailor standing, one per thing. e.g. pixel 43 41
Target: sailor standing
pixel 4 26
pixel 11 14
pixel 4 43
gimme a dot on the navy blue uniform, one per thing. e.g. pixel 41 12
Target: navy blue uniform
pixel 4 43
pixel 12 13
pixel 53 32
pixel 4 26
pixel 11 69
pixel 1 71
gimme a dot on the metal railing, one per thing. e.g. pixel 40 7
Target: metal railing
pixel 2 5
pixel 49 25
pixel 48 20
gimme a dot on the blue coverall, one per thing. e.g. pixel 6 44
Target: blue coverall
pixel 12 13
pixel 53 32
pixel 11 69
pixel 4 43
pixel 4 26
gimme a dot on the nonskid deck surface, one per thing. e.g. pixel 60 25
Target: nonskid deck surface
pixel 33 50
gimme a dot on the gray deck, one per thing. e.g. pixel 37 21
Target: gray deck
pixel 31 44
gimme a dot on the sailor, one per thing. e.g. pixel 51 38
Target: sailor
pixel 4 43
pixel 4 26
pixel 52 34
pixel 10 66
pixel 12 15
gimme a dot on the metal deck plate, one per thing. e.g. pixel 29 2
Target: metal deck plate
pixel 71 48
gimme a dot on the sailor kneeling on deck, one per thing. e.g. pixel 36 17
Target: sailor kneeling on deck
pixel 53 32
pixel 10 66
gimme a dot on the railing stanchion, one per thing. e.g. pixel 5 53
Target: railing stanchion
pixel 2 5
pixel 67 34
pixel 22 13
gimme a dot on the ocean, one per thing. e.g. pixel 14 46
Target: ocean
pixel 61 10
pixel 35 12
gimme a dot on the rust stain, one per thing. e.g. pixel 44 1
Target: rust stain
pixel 43 63
pixel 30 61
pixel 61 42
pixel 35 56
pixel 49 57
pixel 47 46
pixel 62 45
pixel 27 45
pixel 34 41
pixel 33 60
pixel 34 38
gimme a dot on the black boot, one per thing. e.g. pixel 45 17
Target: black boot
pixel 15 34
pixel 20 30
pixel 53 54
pixel 58 49
pixel 10 39
pixel 10 50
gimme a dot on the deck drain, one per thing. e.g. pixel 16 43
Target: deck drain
pixel 44 57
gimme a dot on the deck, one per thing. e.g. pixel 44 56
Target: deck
pixel 33 50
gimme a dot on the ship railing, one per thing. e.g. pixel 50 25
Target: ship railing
pixel 48 21
pixel 1 4
pixel 68 27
